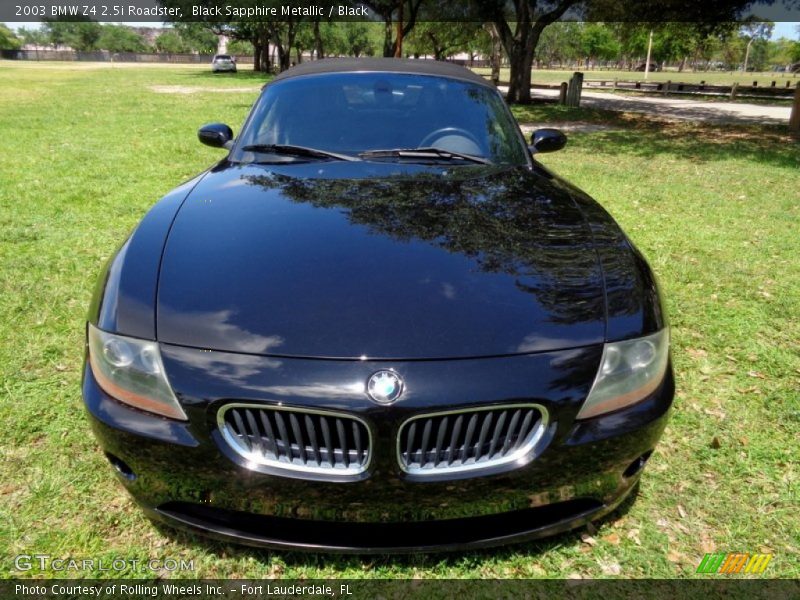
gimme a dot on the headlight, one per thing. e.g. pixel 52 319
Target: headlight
pixel 131 371
pixel 629 372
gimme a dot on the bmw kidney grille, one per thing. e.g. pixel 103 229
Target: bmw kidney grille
pixel 296 439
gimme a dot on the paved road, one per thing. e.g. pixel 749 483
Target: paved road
pixel 683 109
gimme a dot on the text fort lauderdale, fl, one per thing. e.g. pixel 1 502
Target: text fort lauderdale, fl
pixel 273 11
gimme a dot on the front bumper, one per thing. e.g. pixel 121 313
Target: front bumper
pixel 178 474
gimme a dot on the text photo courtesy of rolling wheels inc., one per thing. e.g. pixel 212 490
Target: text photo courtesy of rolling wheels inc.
pixel 486 299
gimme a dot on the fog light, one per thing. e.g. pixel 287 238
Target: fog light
pixel 121 467
pixel 636 465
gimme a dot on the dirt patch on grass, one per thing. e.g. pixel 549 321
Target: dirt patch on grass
pixel 199 89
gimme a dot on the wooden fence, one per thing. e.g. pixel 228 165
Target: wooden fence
pixel 782 89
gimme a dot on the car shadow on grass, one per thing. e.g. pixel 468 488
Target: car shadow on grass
pixel 646 136
pixel 699 143
pixel 361 562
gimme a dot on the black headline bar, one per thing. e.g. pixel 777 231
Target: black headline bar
pixel 122 11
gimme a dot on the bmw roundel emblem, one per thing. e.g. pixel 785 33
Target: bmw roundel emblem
pixel 384 387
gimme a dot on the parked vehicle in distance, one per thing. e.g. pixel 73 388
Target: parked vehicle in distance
pixel 653 67
pixel 223 63
pixel 378 324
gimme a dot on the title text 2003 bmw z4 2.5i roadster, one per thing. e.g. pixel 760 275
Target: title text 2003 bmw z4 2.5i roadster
pixel 378 325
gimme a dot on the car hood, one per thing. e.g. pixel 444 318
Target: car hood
pixel 379 260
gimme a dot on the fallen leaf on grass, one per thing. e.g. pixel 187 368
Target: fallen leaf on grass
pixel 612 538
pixel 611 568
pixel 587 539
pixel 715 413
pixel 715 443
pixel 757 374
pixel 633 535
pixel 681 511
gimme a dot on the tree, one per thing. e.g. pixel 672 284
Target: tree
pixel 779 52
pixel 170 41
pixel 197 37
pixel 559 43
pixel 520 23
pixel 81 35
pixel 403 13
pixel 8 40
pixel 35 37
pixel 357 38
pixel 519 26
pixel 598 43
pixel 442 39
pixel 119 38
pixel 240 47
pixel 757 32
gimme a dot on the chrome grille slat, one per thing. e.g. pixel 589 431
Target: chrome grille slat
pixel 343 442
pixel 296 439
pixel 440 440
pixel 357 439
pixel 312 436
pixel 453 439
pixel 479 438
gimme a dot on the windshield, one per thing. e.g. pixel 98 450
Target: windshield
pixel 354 113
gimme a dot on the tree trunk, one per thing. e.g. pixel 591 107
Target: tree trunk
pixel 520 57
pixel 388 42
pixel 496 55
pixel 519 88
pixel 257 49
pixel 318 49
pixel 398 45
pixel 266 59
pixel 284 58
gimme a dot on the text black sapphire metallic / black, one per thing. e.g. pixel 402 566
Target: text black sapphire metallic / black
pixel 378 325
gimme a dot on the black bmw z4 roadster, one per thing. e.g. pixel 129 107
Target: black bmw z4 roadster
pixel 377 325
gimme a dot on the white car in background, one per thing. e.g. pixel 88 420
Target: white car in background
pixel 222 63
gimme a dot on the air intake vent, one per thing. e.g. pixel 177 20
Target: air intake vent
pixel 296 439
pixel 470 440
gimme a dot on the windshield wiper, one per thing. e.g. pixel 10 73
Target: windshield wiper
pixel 424 153
pixel 290 150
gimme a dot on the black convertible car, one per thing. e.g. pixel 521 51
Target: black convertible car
pixel 376 325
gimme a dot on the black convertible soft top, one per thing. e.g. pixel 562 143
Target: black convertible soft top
pixel 384 65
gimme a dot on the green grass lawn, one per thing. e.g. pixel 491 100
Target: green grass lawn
pixel 716 210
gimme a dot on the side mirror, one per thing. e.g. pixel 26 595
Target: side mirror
pixel 547 140
pixel 216 135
